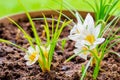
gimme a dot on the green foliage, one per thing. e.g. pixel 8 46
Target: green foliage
pixel 44 62
pixel 104 9
pixel 84 69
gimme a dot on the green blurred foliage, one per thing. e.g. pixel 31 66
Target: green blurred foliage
pixel 8 7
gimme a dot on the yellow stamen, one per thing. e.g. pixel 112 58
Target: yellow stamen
pixel 90 38
pixel 84 49
pixel 33 56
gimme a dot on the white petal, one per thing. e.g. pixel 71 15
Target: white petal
pixel 73 37
pixel 37 48
pixel 77 51
pixel 79 44
pixel 30 50
pixel 84 56
pixel 97 30
pixel 78 18
pixel 85 42
pixel 76 37
pixel 80 28
pixel 28 63
pixel 73 30
pixel 26 57
pixel 77 29
pixel 92 46
pixel 99 41
pixel 89 21
pixel 31 62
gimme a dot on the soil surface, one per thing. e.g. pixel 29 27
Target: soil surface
pixel 13 67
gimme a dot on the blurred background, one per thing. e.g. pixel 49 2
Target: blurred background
pixel 8 7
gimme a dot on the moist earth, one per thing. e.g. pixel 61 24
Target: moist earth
pixel 13 65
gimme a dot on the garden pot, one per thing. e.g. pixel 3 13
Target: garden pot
pixel 12 62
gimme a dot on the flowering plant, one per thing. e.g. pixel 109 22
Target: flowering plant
pixel 41 52
pixel 88 35
pixel 85 35
pixel 89 41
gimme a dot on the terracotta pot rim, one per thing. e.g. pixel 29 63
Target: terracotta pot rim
pixel 39 13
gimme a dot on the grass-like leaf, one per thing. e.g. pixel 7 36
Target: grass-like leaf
pixel 8 42
pixel 85 70
pixel 24 32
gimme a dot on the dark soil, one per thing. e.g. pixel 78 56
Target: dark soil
pixel 13 67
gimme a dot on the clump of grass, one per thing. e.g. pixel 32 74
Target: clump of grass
pixel 38 51
pixel 103 9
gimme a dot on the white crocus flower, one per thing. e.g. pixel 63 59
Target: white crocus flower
pixel 82 51
pixel 32 55
pixel 90 37
pixel 86 32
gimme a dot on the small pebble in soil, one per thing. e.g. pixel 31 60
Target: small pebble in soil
pixel 65 68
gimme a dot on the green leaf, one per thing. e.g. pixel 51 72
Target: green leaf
pixel 8 42
pixel 25 34
pixel 85 70
pixel 46 27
